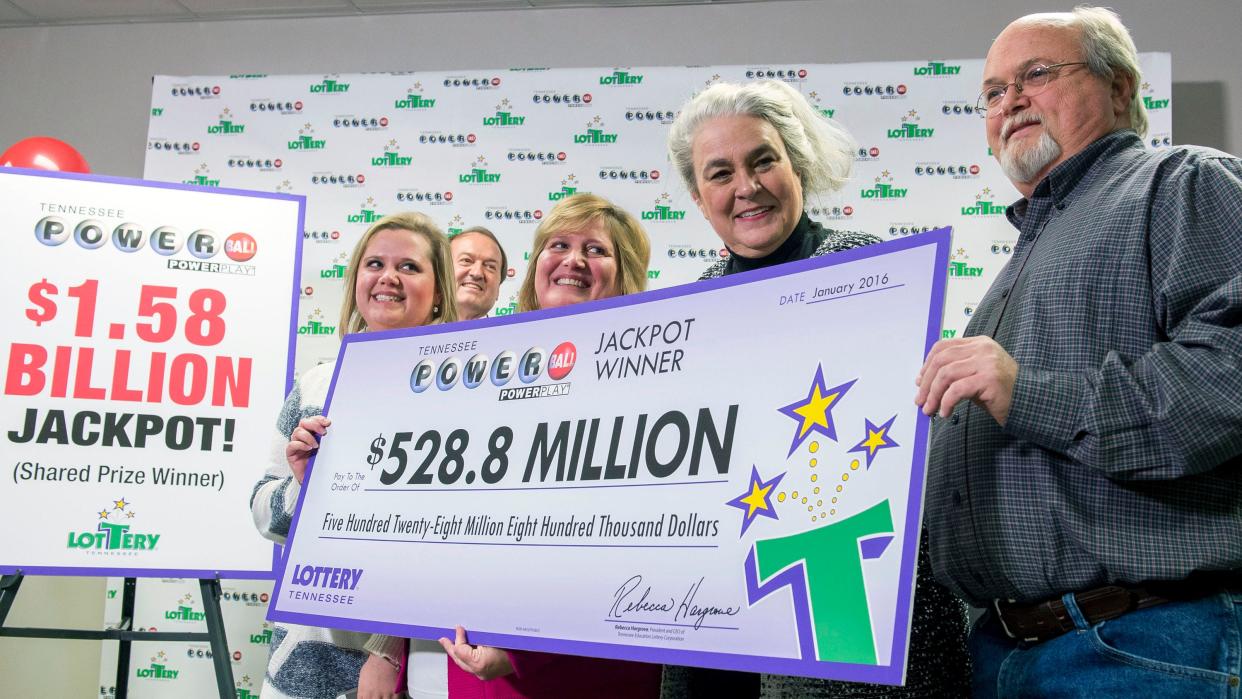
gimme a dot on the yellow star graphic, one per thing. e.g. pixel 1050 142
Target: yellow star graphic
pixel 120 504
pixel 875 439
pixel 815 410
pixel 103 514
pixel 757 500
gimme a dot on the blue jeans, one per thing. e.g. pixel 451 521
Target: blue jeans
pixel 1176 649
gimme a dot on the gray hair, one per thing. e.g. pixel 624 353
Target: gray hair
pixel 821 152
pixel 1107 49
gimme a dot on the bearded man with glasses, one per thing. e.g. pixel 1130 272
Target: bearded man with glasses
pixel 1086 469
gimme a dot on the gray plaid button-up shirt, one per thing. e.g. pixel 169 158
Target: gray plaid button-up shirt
pixel 1121 460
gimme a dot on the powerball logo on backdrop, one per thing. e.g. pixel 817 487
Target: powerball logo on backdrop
pixel 534 363
pixel 114 534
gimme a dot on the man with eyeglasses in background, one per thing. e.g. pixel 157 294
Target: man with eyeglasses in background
pixel 1086 466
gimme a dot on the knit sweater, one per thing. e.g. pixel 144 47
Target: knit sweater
pixel 306 662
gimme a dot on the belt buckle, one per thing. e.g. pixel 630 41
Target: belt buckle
pixel 1000 616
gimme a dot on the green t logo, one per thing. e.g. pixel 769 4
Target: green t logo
pixel 831 558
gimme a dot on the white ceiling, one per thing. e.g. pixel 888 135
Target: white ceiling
pixel 29 13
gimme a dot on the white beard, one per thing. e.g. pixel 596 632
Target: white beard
pixel 1021 165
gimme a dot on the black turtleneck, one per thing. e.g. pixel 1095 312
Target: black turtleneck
pixel 800 245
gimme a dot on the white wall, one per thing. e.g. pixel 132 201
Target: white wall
pixel 91 86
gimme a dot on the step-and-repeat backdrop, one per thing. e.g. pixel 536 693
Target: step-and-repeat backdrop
pixel 499 148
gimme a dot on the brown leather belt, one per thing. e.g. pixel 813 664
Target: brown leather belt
pixel 1044 620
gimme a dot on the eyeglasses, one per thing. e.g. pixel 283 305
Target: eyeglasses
pixel 1032 82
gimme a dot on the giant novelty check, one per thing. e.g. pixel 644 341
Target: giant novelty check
pixel 726 474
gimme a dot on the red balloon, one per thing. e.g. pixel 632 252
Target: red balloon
pixel 44 153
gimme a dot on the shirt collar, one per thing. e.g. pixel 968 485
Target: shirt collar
pixel 1059 184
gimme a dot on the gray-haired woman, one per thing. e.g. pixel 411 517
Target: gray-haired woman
pixel 749 154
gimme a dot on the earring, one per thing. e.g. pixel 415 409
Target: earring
pixel 435 310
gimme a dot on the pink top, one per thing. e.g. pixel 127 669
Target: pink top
pixel 543 675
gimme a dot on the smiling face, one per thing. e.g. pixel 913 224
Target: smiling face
pixel 396 285
pixel 575 266
pixel 746 187
pixel 1033 134
pixel 476 263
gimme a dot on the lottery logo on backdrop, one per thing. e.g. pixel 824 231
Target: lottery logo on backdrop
pixel 366 213
pixel 964 269
pixel 937 69
pixel 184 610
pixel 504 116
pixel 264 637
pixel 159 669
pixel 315 324
pixel 662 211
pixel 306 139
pixel 1151 102
pixel 884 188
pixel 910 128
pixel 817 102
pixel 983 205
pixel 201 179
pixel 414 99
pixel 595 134
pixel 329 84
pixel 226 125
pixel 621 77
pixel 479 174
pixel 391 157
pixel 569 187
